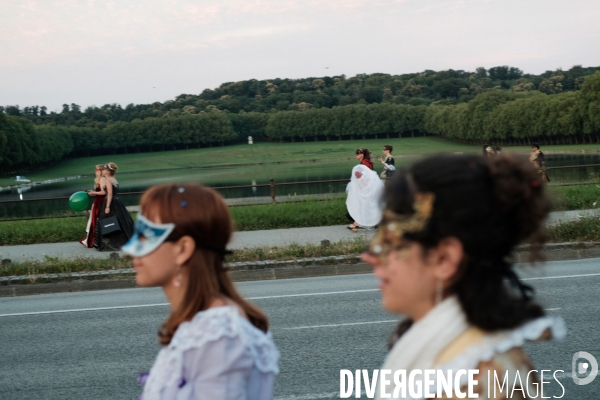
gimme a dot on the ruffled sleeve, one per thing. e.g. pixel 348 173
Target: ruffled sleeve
pixel 218 355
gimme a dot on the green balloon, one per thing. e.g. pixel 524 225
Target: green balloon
pixel 79 201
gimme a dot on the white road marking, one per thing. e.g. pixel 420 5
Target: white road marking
pixel 83 309
pixel 253 298
pixel 312 294
pixel 558 277
pixel 335 325
pixel 364 323
pixel 311 396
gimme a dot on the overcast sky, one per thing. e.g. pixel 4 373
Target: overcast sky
pixel 93 52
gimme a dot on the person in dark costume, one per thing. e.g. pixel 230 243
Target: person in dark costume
pixel 388 163
pixel 99 196
pixel 112 206
pixel 539 161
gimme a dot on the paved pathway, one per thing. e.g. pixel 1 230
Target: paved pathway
pixel 250 239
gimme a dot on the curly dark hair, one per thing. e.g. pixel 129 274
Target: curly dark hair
pixel 490 205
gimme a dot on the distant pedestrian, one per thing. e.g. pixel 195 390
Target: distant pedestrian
pixel 364 191
pixel 121 223
pixel 539 161
pixel 442 259
pixel 488 151
pixel 99 195
pixel 388 162
pixel 216 345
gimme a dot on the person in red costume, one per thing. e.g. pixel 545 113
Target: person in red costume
pixel 364 157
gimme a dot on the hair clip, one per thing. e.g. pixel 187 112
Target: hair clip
pixel 534 183
pixel 181 190
pixel 184 204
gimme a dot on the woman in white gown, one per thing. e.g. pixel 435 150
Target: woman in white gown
pixel 364 194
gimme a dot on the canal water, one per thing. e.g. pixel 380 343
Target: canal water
pixel 293 173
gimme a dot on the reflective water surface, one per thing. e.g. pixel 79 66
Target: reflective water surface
pixel 247 175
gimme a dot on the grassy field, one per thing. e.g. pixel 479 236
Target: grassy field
pixel 262 152
pixel 259 217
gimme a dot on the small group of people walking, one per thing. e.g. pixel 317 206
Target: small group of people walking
pixel 365 188
pixel 109 226
pixel 440 256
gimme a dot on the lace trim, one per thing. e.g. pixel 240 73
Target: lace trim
pixel 501 342
pixel 208 326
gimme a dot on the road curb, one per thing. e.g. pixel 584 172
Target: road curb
pixel 250 271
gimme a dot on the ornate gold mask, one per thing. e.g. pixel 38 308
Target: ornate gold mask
pixel 393 226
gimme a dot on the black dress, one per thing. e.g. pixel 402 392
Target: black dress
pixel 114 241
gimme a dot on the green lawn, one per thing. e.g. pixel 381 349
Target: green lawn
pixel 243 154
pixel 262 153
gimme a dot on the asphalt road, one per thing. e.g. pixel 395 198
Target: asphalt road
pixel 92 345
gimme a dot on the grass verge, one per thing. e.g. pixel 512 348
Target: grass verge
pixel 581 197
pixel 586 229
pixel 260 217
pixel 583 230
pixel 246 218
pixel 56 266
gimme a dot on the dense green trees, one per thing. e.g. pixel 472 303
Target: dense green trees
pixel 378 120
pixel 253 96
pixel 555 107
pixel 24 145
pixel 522 117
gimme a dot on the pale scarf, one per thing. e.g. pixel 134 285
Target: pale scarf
pixel 419 347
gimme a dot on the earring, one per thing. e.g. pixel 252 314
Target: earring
pixel 439 289
pixel 177 279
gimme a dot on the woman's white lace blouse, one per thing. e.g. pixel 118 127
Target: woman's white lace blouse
pixel 217 355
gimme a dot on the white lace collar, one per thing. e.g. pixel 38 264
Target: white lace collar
pixel 207 326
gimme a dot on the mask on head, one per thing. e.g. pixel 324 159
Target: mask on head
pixel 154 235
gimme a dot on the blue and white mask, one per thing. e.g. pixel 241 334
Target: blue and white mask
pixel 154 235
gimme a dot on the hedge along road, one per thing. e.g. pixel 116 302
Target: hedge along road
pixel 93 344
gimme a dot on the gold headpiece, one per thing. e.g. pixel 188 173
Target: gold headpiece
pixel 394 226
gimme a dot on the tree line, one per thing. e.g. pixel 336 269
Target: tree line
pixel 507 117
pixel 495 115
pixel 273 95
